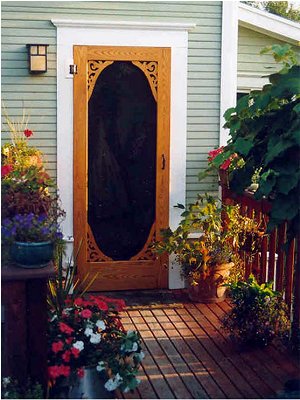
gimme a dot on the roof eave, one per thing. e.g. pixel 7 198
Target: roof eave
pixel 269 24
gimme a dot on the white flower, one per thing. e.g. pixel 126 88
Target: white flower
pixel 126 390
pixel 95 338
pixel 113 383
pixel 88 331
pixel 101 325
pixel 79 345
pixel 101 366
pixel 6 381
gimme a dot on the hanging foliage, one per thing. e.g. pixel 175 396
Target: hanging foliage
pixel 265 132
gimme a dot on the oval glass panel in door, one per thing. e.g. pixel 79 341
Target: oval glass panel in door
pixel 122 114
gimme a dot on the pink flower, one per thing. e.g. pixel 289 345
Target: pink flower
pixel 64 328
pixel 59 370
pixel 6 169
pixel 86 313
pixel 69 340
pixel 66 356
pixel 102 305
pixel 75 352
pixel 57 346
pixel 213 153
pixel 226 164
pixel 78 301
pixel 80 372
pixel 28 133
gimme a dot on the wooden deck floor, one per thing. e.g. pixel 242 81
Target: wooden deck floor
pixel 188 355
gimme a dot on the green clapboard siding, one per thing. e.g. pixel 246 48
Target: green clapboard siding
pixel 250 62
pixel 26 22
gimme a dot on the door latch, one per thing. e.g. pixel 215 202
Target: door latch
pixel 73 69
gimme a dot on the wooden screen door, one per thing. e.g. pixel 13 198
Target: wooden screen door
pixel 121 164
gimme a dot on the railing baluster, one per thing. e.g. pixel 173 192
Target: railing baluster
pixel 289 274
pixel 272 256
pixel 281 257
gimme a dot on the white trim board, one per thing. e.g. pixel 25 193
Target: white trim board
pixel 228 63
pixel 74 32
pixel 269 24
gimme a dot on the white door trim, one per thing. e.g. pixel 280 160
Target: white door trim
pixel 174 35
pixel 228 62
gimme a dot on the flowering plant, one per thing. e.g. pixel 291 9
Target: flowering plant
pixel 30 228
pixel 25 182
pixel 222 159
pixel 258 314
pixel 89 333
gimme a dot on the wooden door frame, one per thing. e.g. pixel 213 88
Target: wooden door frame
pixel 152 275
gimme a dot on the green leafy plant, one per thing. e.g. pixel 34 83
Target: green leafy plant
pixel 258 314
pixel 11 389
pixel 215 244
pixel 264 131
pixel 65 286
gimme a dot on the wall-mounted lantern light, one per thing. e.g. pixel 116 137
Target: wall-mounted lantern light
pixel 37 55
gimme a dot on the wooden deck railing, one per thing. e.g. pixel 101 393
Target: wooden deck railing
pixel 275 261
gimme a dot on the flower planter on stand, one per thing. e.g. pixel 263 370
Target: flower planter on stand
pixel 211 289
pixel 32 255
pixel 90 386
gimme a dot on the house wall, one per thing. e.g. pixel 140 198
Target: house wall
pixel 29 22
pixel 251 65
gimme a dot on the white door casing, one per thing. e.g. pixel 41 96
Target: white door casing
pixel 127 33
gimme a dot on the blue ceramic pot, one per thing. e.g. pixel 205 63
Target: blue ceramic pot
pixel 32 255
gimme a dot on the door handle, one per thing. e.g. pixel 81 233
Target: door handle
pixel 163 161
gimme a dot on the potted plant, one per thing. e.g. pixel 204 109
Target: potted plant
pixel 258 314
pixel 87 342
pixel 30 213
pixel 31 238
pixel 25 183
pixel 206 260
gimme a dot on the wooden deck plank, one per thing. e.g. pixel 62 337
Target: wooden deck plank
pixel 180 337
pixel 188 355
pixel 232 371
pixel 176 356
pixel 175 387
pixel 200 344
pixel 192 385
pixel 247 368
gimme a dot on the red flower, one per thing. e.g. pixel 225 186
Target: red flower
pixel 78 301
pixel 213 153
pixel 57 346
pixel 69 340
pixel 28 133
pixel 75 352
pixel 86 313
pixel 66 356
pixel 226 164
pixel 80 372
pixel 6 169
pixel 64 328
pixel 59 370
pixel 101 304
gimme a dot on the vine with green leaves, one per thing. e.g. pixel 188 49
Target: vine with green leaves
pixel 265 131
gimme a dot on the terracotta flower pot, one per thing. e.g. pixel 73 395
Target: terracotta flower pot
pixel 211 289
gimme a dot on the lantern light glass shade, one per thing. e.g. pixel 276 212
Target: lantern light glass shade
pixel 37 54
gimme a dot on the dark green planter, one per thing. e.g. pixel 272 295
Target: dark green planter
pixel 32 255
